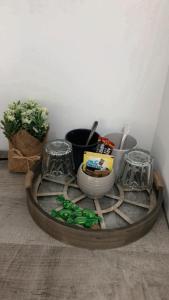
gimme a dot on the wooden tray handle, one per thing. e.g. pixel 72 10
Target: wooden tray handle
pixel 158 180
pixel 28 179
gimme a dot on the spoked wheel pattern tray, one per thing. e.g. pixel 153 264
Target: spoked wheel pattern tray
pixel 126 216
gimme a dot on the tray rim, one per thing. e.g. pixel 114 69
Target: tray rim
pixel 131 232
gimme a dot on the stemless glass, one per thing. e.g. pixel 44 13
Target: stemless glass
pixel 57 159
pixel 137 170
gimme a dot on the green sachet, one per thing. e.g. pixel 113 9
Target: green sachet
pixel 71 213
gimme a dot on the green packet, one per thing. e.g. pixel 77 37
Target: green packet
pixel 71 213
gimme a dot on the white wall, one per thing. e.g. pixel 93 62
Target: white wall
pixel 86 60
pixel 160 147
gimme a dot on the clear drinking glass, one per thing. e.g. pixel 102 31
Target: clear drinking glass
pixel 137 170
pixel 57 159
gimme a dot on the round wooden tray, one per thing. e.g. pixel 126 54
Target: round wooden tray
pixel 127 216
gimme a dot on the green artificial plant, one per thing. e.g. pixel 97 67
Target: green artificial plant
pixel 29 116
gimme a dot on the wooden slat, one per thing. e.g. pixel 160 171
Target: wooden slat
pixel 158 180
pixel 136 203
pixel 123 216
pixel 99 212
pixel 49 194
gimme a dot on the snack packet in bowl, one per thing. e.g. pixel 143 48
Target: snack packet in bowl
pixel 97 164
pixel 105 146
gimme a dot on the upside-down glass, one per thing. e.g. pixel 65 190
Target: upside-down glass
pixel 137 170
pixel 57 159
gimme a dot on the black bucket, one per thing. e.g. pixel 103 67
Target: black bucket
pixel 78 138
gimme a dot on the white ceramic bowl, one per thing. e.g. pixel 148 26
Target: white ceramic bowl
pixel 95 187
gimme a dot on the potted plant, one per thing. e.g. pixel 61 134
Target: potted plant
pixel 25 124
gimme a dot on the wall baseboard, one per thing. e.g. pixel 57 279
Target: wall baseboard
pixel 3 155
